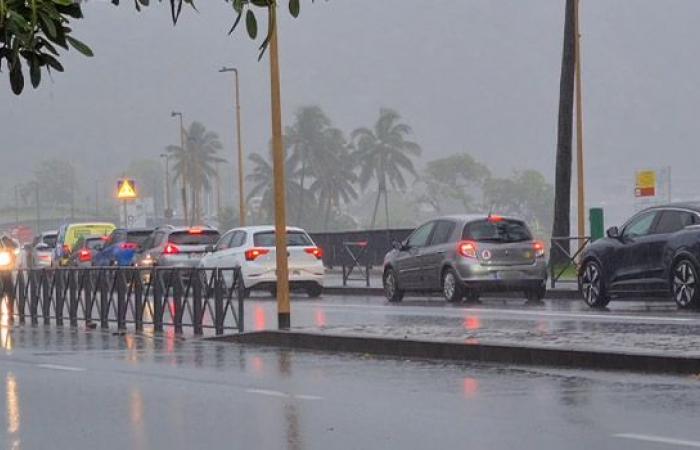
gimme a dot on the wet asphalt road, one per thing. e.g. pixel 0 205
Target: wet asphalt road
pixel 78 389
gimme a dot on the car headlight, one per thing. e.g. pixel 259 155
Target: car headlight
pixel 5 259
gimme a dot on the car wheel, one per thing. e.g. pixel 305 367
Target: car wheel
pixel 314 291
pixel 684 284
pixel 452 288
pixel 535 295
pixel 391 287
pixel 592 286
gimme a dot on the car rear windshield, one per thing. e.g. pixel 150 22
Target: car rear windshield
pixel 50 240
pixel 92 243
pixel 138 237
pixel 294 239
pixel 203 237
pixel 504 230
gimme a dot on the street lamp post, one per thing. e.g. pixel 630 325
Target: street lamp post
pixel 283 307
pixel 184 168
pixel 168 207
pixel 241 194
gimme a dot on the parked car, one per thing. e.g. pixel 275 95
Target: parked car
pixel 253 250
pixel 120 248
pixel 170 246
pixel 40 252
pixel 84 251
pixel 656 252
pixel 68 235
pixel 463 256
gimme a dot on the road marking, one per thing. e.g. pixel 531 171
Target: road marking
pixel 271 393
pixel 658 439
pixel 64 368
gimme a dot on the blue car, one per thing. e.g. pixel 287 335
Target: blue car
pixel 121 246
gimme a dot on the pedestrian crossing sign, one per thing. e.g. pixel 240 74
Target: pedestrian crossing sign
pixel 126 189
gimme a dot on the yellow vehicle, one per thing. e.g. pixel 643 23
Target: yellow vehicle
pixel 69 234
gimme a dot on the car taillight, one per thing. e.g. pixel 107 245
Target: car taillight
pixel 316 251
pixel 128 246
pixel 493 218
pixel 85 255
pixel 195 231
pixel 254 253
pixel 467 249
pixel 538 247
pixel 171 249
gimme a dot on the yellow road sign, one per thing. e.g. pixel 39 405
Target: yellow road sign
pixel 126 189
pixel 645 185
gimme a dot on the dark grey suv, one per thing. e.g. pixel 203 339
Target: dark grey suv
pixel 462 256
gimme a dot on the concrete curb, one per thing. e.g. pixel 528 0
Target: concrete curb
pixel 552 294
pixel 520 355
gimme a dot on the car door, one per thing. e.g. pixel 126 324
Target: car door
pixel 408 260
pixel 433 255
pixel 670 222
pixel 631 259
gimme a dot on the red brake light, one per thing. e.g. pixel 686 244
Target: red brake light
pixel 538 247
pixel 254 253
pixel 128 246
pixel 468 249
pixel 316 251
pixel 85 255
pixel 495 219
pixel 195 231
pixel 171 249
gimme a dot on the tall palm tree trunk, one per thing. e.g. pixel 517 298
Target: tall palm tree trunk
pixel 562 189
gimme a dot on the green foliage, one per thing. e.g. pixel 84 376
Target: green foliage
pixel 32 30
pixel 56 179
pixel 450 183
pixel 228 218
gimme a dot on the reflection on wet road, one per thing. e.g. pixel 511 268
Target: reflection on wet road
pixel 95 389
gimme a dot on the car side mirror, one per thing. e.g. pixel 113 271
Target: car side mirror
pixel 209 249
pixel 613 232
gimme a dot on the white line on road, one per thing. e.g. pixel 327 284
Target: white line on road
pixel 658 439
pixel 57 367
pixel 271 393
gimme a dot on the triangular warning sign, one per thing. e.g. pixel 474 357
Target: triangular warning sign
pixel 126 189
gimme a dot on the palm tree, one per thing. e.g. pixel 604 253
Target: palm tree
pixel 562 187
pixel 306 141
pixel 263 181
pixel 195 164
pixel 384 154
pixel 334 184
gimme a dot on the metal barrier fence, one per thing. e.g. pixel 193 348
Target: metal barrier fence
pixel 178 297
pixel 377 242
pixel 562 245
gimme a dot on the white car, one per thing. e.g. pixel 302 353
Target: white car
pixel 253 250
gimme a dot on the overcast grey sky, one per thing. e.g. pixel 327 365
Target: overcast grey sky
pixel 480 76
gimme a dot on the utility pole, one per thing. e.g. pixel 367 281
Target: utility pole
pixel 283 307
pixel 185 167
pixel 579 128
pixel 168 208
pixel 241 190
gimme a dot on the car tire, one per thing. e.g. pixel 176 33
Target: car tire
pixel 452 287
pixel 314 291
pixel 685 284
pixel 392 291
pixel 535 295
pixel 592 285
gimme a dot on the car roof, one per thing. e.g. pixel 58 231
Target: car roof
pixel 263 229
pixel 48 233
pixel 466 218
pixel 92 224
pixel 692 206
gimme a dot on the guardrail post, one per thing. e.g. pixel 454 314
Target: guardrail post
pixel 34 296
pixel 90 283
pixel 60 295
pixel 138 299
pixel 73 299
pixel 218 303
pixel 46 297
pixel 21 295
pixel 237 279
pixel 197 300
pixel 104 299
pixel 121 298
pixel 178 290
pixel 157 282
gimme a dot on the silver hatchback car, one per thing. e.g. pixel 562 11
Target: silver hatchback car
pixel 463 256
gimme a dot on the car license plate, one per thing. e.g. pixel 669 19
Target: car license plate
pixel 506 275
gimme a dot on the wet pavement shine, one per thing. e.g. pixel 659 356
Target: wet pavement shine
pixel 83 389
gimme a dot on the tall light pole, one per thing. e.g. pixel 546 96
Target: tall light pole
pixel 579 127
pixel 184 167
pixel 283 309
pixel 168 213
pixel 241 193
